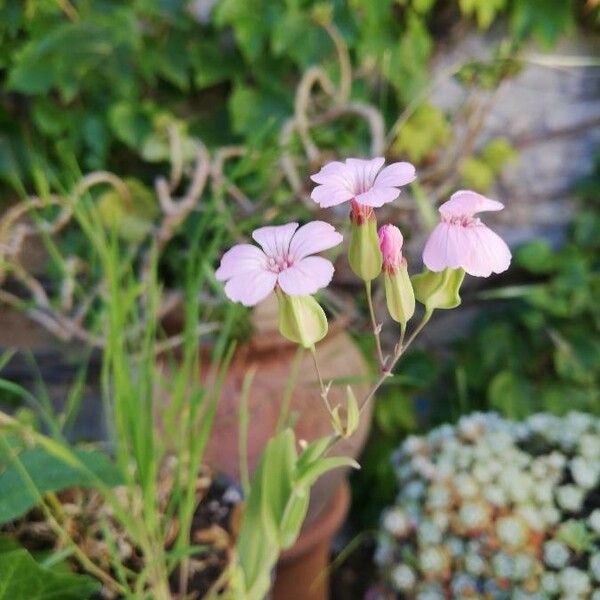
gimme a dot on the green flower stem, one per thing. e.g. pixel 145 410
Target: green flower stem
pixel 324 388
pixel 374 324
pixel 402 335
pixel 289 389
pixel 400 350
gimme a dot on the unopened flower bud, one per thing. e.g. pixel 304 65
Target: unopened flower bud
pixel 364 255
pixel 399 293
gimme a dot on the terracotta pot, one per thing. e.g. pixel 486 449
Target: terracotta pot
pixel 272 358
pixel 301 571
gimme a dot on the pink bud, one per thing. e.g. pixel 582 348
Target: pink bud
pixel 390 243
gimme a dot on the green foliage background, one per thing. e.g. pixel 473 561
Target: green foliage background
pixel 101 80
pixel 98 83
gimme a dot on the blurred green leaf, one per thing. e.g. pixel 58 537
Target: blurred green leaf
pixel 511 394
pixel 484 11
pixel 537 257
pixel 425 132
pixel 477 174
pixel 544 19
pixel 22 578
pixel 47 473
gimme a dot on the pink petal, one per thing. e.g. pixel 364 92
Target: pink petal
pixel 466 203
pixel 378 196
pixel 328 195
pixel 364 172
pixel 275 239
pixel 335 174
pixel 312 238
pixel 240 259
pixel 446 247
pixel 395 175
pixel 489 252
pixel 306 277
pixel 251 288
pixel 476 249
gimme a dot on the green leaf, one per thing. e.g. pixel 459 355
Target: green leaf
pixel 477 174
pixel 257 544
pixel 310 474
pixel 395 414
pixel 543 19
pixel 498 152
pixel 280 464
pixel 49 61
pixel 130 123
pixel 423 6
pixel 270 490
pixel 295 513
pixel 352 412
pixel 132 217
pixel 49 474
pixel 537 257
pixel 576 358
pixel 511 394
pixel 484 11
pixel 407 69
pixel 424 134
pixel 313 452
pixel 249 106
pixel 22 578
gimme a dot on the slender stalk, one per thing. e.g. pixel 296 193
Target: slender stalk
pixel 244 420
pixel 401 349
pixel 374 324
pixel 402 335
pixel 289 389
pixel 324 388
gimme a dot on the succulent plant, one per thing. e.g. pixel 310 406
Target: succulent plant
pixel 496 509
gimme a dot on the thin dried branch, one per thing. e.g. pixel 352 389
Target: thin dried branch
pixel 302 102
pixel 176 211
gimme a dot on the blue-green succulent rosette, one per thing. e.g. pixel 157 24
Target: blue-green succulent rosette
pixel 495 509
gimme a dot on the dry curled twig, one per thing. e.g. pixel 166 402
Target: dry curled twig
pixel 312 109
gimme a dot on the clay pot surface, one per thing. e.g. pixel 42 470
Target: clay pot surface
pixel 272 357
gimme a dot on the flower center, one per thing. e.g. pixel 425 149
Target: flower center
pixel 276 264
pixel 460 220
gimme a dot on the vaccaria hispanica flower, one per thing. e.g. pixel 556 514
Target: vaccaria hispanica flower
pixel 462 241
pixel 362 182
pixel 366 186
pixel 283 260
pixel 284 263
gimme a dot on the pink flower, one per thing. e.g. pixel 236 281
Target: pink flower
pixel 361 181
pixel 252 274
pixel 390 244
pixel 461 240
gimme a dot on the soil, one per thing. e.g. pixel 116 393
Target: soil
pixel 215 523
